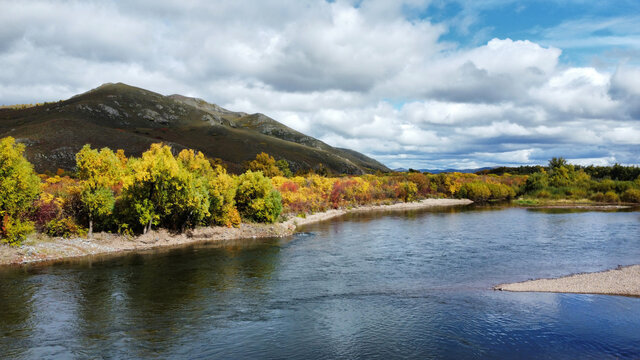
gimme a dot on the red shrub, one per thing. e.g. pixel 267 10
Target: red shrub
pixel 289 186
pixel 44 212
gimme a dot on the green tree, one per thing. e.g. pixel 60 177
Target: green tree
pixel 283 165
pixel 557 162
pixel 97 203
pixel 19 187
pixel 256 199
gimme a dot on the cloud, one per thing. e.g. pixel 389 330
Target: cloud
pixel 372 75
pixel 625 87
pixel 590 31
pixel 517 156
pixel 577 91
pixel 499 71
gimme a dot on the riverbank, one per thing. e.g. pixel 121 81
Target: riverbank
pixel 41 248
pixel 621 281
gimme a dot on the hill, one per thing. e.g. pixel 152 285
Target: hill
pixel 440 171
pixel 120 116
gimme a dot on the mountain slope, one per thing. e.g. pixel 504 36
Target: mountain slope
pixel 120 116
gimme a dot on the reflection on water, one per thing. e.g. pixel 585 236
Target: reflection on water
pixel 400 285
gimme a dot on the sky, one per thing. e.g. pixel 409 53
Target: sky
pixel 416 84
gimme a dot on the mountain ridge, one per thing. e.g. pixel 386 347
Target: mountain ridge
pixel 121 116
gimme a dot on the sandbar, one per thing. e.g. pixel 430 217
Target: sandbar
pixel 624 280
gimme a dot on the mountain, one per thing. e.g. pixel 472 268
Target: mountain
pixel 120 116
pixel 438 171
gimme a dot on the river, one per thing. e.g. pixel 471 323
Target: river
pixel 413 284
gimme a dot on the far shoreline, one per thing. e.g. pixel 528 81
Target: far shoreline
pixel 41 249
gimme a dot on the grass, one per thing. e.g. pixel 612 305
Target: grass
pixel 527 201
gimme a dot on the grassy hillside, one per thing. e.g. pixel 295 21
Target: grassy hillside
pixel 120 116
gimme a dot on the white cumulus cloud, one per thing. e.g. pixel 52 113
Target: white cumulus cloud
pixel 363 75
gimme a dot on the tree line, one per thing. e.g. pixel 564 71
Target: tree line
pixel 615 172
pixel 109 191
pixel 112 192
pixel 561 180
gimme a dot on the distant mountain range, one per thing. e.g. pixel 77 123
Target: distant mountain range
pixel 438 171
pixel 120 116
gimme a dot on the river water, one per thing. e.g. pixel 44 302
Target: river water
pixel 379 285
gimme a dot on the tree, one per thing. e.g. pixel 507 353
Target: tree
pixel 121 157
pixel 222 193
pixel 19 187
pixel 265 163
pixel 167 191
pixel 283 165
pixel 557 162
pixel 97 203
pixel 407 191
pixel 256 199
pixel 560 176
pixel 220 188
pixel 99 171
pixel 101 168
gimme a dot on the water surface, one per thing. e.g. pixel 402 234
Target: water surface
pixel 396 285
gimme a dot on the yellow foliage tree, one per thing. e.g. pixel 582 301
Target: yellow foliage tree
pixel 265 163
pixel 99 171
pixel 19 187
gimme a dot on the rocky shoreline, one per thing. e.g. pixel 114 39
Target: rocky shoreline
pixel 41 248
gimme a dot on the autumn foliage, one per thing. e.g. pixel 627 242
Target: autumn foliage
pixel 19 188
pixel 302 195
pixel 111 192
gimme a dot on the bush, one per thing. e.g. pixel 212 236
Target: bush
pixel 611 197
pixel 544 194
pixel 46 209
pixel 536 181
pixel 352 191
pixel 604 185
pixel 266 209
pixel 476 191
pixel 65 227
pixel 407 191
pixel 422 183
pixel 283 165
pixel 256 199
pixel 501 191
pixel 631 195
pixel 576 193
pixel 599 197
pixel 622 186
pixel 14 231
